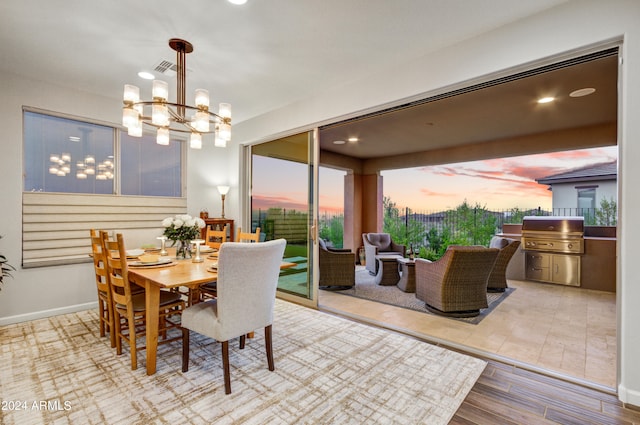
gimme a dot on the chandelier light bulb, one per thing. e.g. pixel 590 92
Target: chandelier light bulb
pixel 160 90
pixel 224 131
pixel 80 175
pixel 202 98
pixel 220 143
pixel 54 158
pixel 66 157
pixel 135 130
pixel 131 94
pixel 196 141
pixel 130 117
pixel 89 159
pixel 201 121
pixel 160 115
pixel 162 138
pixel 90 170
pixel 224 110
pixel 53 170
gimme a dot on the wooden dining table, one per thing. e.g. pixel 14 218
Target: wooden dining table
pixel 153 279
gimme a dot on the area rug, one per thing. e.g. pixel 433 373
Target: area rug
pixel 329 370
pixel 366 288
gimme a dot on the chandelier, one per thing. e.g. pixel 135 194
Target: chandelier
pixel 177 117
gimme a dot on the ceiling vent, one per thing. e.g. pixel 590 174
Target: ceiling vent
pixel 167 68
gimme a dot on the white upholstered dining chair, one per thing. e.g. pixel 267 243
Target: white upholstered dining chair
pixel 247 280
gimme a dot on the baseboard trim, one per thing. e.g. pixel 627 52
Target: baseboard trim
pixel 629 397
pixel 10 320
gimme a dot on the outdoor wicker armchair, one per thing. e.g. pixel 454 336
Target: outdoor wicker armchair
pixel 497 281
pixel 379 244
pixel 456 284
pixel 337 267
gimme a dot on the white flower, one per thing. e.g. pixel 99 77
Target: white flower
pixel 200 222
pixel 167 222
pixel 177 223
pixel 190 222
pixel 185 218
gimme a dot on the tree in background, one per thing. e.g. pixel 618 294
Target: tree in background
pixel 333 230
pixel 473 225
pixel 607 215
pixel 405 230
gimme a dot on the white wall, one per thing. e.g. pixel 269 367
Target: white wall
pixel 565 195
pixel 569 27
pixel 40 292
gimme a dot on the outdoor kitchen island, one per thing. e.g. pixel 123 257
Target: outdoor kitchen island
pixel 597 265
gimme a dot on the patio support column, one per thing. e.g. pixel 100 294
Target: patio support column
pixel 372 218
pixel 362 207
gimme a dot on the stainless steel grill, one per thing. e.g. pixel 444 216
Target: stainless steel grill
pixel 552 247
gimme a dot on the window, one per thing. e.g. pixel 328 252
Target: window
pixel 82 175
pixel 63 155
pixel 71 156
pixel 150 169
pixel 586 199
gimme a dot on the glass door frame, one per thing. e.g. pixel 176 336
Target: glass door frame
pixel 246 168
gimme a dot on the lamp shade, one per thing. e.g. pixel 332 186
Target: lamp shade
pixel 223 190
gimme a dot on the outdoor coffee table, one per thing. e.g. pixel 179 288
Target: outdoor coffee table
pixel 407 282
pixel 387 270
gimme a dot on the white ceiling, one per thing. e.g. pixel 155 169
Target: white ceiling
pixel 260 56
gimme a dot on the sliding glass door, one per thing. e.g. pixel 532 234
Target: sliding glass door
pixel 283 204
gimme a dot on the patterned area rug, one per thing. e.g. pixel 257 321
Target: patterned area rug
pixel 366 288
pixel 329 370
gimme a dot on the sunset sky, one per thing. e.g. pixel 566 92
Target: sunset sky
pixel 495 184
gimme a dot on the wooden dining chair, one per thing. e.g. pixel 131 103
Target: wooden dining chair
pixel 105 305
pixel 215 238
pixel 129 310
pixel 245 301
pixel 248 236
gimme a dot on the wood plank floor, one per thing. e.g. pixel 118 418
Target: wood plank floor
pixel 506 394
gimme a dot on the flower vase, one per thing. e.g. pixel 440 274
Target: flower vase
pixel 183 251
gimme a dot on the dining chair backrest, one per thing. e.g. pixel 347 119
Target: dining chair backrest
pixel 248 237
pixel 99 262
pixel 118 272
pixel 247 281
pixel 105 303
pixel 215 238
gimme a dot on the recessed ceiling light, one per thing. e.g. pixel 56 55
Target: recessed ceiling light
pixel 146 75
pixel 353 139
pixel 237 1
pixel 582 92
pixel 546 99
pixel 74 139
pixel 339 142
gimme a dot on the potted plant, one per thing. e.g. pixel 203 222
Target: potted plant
pixel 6 268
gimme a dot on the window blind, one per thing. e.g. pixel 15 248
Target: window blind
pixel 55 226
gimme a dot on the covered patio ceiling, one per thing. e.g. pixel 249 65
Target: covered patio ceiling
pixel 496 118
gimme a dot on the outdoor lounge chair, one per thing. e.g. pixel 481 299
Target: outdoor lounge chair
pixel 337 267
pixel 497 281
pixel 377 244
pixel 456 284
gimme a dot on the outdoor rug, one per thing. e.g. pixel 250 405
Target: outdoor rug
pixel 329 370
pixel 366 288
